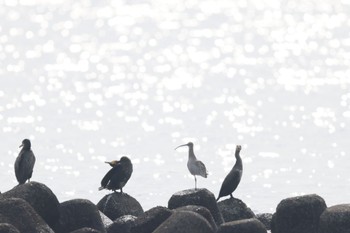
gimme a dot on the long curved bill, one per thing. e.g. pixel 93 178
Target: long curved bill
pixel 181 146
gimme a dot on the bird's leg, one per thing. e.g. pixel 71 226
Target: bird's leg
pixel 121 190
pixel 195 183
pixel 231 195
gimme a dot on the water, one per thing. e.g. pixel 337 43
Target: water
pixel 90 81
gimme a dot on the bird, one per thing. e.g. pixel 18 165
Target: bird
pixel 24 163
pixel 118 176
pixel 233 178
pixel 195 166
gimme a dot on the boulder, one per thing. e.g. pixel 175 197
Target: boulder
pixel 202 211
pixel 8 228
pixel 41 198
pixel 335 219
pixel 251 225
pixel 266 219
pixel 233 209
pixel 105 220
pixel 150 220
pixel 117 204
pixel 86 230
pixel 122 224
pixel 185 222
pixel 21 215
pixel 79 213
pixel 298 214
pixel 201 197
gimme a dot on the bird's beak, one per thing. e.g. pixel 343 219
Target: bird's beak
pixel 21 145
pixel 113 163
pixel 181 146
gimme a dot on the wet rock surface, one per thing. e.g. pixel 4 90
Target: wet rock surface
pixel 150 220
pixel 233 209
pixel 202 211
pixel 79 213
pixel 335 219
pixel 21 215
pixel 251 225
pixel 201 197
pixel 299 214
pixel 117 204
pixel 185 222
pixel 122 224
pixel 41 198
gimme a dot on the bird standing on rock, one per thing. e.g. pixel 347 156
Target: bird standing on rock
pixel 195 166
pixel 118 176
pixel 24 163
pixel 233 178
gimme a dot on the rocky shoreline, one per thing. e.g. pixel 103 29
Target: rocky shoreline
pixel 34 208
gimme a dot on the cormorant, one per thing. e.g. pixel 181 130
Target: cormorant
pixel 195 166
pixel 233 178
pixel 118 176
pixel 24 163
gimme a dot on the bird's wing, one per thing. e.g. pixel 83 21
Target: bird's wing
pixel 115 172
pixel 232 180
pixel 202 169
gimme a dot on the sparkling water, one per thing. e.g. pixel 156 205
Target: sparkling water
pixel 90 81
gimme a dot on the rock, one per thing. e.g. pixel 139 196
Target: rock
pixel 105 220
pixel 21 215
pixel 233 209
pixel 265 218
pixel 204 212
pixel 251 225
pixel 8 228
pixel 298 214
pixel 185 222
pixel 122 224
pixel 117 204
pixel 41 198
pixel 150 220
pixel 86 230
pixel 79 213
pixel 335 219
pixel 201 197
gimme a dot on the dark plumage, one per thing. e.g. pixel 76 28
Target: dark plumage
pixel 24 163
pixel 118 176
pixel 233 178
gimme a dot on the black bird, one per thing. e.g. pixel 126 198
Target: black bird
pixel 118 176
pixel 24 163
pixel 233 178
pixel 195 166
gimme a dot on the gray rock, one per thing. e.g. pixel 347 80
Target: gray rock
pixel 266 219
pixel 86 230
pixel 105 220
pixel 8 228
pixel 117 204
pixel 335 219
pixel 122 224
pixel 202 211
pixel 233 209
pixel 41 198
pixel 79 213
pixel 21 215
pixel 185 222
pixel 298 214
pixel 201 197
pixel 150 220
pixel 251 225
